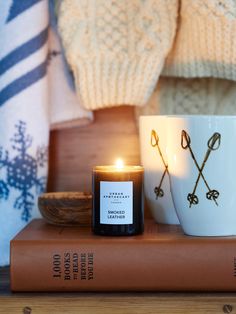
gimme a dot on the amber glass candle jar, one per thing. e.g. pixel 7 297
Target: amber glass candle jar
pixel 118 200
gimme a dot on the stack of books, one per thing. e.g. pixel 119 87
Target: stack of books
pixel 52 258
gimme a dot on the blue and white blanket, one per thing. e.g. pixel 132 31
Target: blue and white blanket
pixel 36 89
pixel 24 118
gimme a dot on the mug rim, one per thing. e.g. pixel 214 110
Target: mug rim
pixel 191 116
pixel 195 117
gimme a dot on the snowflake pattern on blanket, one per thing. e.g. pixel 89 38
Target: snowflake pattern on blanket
pixel 22 171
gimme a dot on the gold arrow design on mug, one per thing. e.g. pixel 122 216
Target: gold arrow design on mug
pixel 155 143
pixel 212 144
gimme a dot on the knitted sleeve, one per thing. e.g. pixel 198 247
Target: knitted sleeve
pixel 116 48
pixel 205 45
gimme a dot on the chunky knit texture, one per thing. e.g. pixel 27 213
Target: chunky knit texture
pixel 192 96
pixel 205 44
pixel 116 49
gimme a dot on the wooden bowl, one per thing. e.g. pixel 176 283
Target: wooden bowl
pixel 66 208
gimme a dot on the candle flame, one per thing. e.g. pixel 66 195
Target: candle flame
pixel 119 163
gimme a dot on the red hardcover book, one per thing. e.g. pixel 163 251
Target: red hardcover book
pixel 51 258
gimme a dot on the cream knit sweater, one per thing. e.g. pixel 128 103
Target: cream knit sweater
pixel 117 49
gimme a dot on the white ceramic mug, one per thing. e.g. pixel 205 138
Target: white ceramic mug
pixel 201 162
pixel 153 140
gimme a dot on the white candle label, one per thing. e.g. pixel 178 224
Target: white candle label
pixel 116 202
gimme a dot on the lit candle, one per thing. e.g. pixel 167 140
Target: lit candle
pixel 118 199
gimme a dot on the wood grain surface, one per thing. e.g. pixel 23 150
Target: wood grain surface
pixel 66 208
pixel 74 152
pixel 115 303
